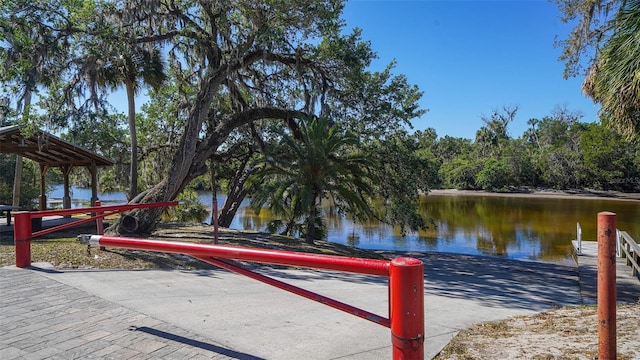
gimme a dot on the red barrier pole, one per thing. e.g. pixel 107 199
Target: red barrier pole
pixel 406 288
pixel 329 262
pixel 215 219
pixel 22 238
pixel 119 208
pixel 65 226
pixel 606 285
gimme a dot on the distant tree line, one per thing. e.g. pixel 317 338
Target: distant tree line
pixel 557 151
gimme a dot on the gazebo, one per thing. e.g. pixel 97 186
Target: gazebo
pixel 51 151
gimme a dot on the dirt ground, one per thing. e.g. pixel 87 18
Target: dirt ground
pixel 565 333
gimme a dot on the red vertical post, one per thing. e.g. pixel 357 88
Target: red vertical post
pixel 99 223
pixel 215 218
pixel 606 285
pixel 406 304
pixel 22 238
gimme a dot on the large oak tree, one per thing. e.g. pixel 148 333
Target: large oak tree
pixel 235 64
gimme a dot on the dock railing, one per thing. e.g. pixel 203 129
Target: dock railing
pixel 626 248
pixel 630 250
pixel 579 239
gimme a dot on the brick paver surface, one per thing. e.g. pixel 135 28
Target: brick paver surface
pixel 41 318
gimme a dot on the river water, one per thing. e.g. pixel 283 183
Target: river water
pixel 511 227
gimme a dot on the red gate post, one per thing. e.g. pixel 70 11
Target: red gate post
pixel 406 307
pixel 22 238
pixel 99 223
pixel 607 285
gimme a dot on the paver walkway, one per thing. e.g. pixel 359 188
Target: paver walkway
pixel 41 318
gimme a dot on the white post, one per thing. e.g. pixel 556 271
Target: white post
pixel 579 231
pixel 618 238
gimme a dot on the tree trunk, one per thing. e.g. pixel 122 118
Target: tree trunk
pixel 236 193
pixel 17 181
pixel 183 167
pixel 214 201
pixel 191 156
pixel 311 227
pixel 17 178
pixel 133 171
pixel 4 109
pixel 230 208
pixel 311 220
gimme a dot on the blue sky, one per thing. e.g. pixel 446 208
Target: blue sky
pixel 469 57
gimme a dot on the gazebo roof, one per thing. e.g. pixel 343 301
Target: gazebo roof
pixel 47 149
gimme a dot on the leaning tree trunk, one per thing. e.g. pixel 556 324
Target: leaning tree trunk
pixel 133 170
pixel 230 207
pixel 235 194
pixel 183 168
pixel 190 160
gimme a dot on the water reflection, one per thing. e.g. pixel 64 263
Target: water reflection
pixel 521 228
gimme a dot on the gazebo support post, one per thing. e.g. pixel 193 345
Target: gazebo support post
pixel 17 181
pixel 66 198
pixel 94 182
pixel 43 187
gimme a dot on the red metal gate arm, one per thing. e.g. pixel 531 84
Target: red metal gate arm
pixel 327 262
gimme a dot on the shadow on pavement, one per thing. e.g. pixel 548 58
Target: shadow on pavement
pixel 626 289
pixel 490 281
pixel 500 282
pixel 196 343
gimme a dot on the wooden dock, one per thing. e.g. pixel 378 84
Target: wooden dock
pixel 627 284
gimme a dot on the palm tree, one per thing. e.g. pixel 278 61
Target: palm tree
pixel 324 163
pixel 485 139
pixel 142 66
pixel 614 79
pixel 532 133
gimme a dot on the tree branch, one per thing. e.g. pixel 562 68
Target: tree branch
pixel 208 145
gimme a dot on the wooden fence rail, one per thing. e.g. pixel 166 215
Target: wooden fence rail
pixel 630 250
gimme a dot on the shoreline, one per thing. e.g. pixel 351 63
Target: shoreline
pixel 544 193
